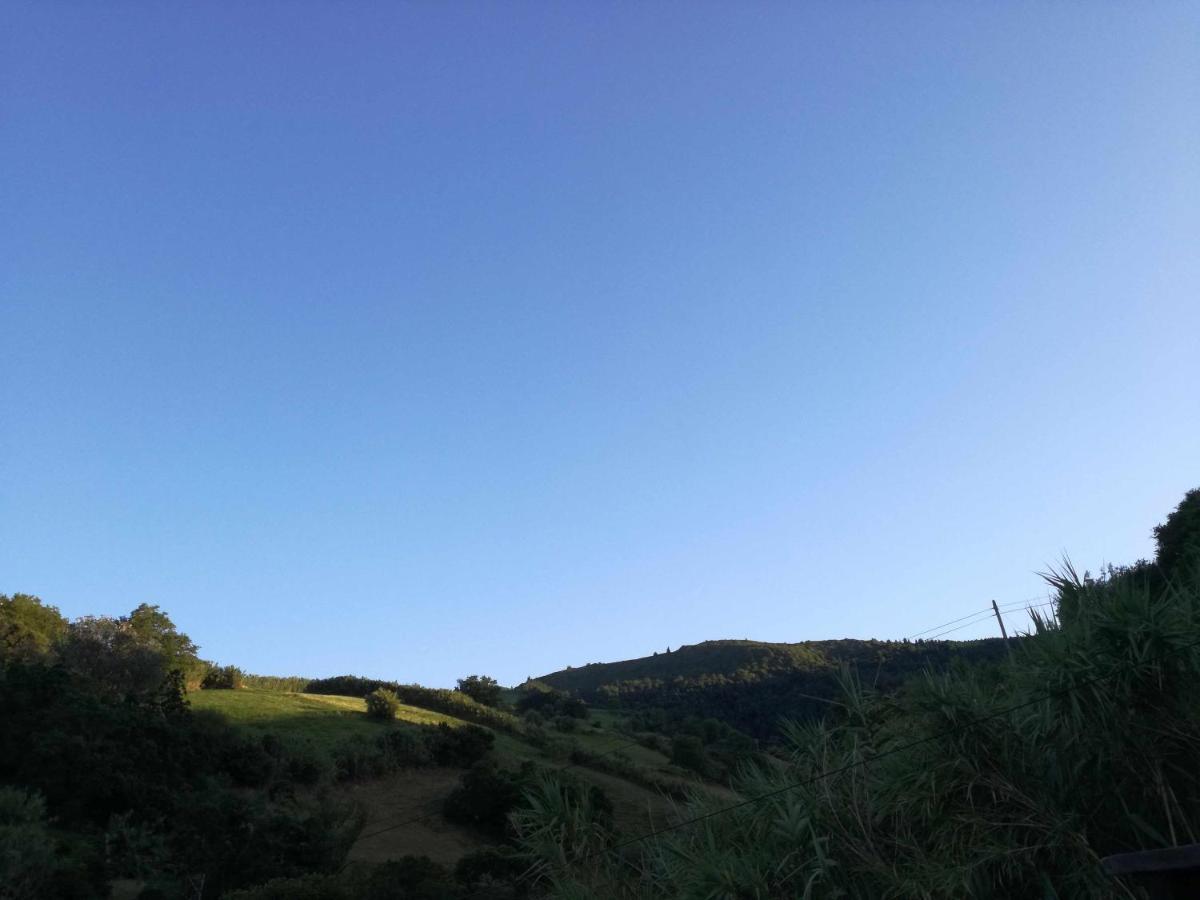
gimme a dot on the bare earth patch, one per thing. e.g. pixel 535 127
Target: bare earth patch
pixel 391 805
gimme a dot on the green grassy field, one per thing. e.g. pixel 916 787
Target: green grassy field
pixel 323 719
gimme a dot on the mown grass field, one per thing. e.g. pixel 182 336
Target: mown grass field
pixel 323 719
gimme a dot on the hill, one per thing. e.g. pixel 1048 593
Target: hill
pixel 753 685
pixel 403 809
pixel 325 720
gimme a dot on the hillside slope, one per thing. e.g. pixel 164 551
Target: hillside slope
pixel 754 684
pixel 403 810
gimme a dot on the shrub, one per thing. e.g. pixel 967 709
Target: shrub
pixel 248 762
pixel 307 765
pixel 533 719
pixel 481 689
pixel 462 746
pixel 406 748
pixel 688 753
pixel 484 798
pixel 565 724
pixel 357 759
pixel 229 678
pixel 382 704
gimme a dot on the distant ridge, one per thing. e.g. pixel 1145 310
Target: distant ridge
pixel 754 684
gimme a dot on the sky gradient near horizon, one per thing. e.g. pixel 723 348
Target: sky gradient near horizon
pixel 418 340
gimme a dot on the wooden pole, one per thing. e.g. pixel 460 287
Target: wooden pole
pixel 1003 630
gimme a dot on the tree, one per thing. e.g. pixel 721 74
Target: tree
pixel 687 751
pixel 223 678
pixel 26 847
pixel 154 628
pixel 29 629
pixel 111 659
pixel 481 689
pixel 1178 538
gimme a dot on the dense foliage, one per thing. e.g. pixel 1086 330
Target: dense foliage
pixel 481 688
pixel 754 686
pixel 196 799
pixel 227 678
pixel 283 683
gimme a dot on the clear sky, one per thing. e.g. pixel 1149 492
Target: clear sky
pixel 415 340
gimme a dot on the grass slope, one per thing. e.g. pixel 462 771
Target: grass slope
pixel 404 809
pixel 324 719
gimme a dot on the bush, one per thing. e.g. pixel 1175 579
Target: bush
pixel 481 689
pixel 484 798
pixel 687 752
pixel 382 704
pixel 229 678
pixel 358 759
pixel 565 724
pixel 462 746
pixel 407 747
pixel 307 765
pixel 533 719
pixel 248 762
pixel 536 696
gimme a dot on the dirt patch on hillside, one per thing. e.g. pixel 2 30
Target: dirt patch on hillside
pixel 404 816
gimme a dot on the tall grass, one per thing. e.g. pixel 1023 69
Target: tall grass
pixel 1005 780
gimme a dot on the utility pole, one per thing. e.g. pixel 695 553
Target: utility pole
pixel 1003 630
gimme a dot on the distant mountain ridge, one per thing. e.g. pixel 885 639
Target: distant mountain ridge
pixel 753 684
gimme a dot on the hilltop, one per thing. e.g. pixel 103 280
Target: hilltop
pixel 753 685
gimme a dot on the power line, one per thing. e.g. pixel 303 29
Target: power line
pixel 983 613
pixel 983 618
pixel 951 622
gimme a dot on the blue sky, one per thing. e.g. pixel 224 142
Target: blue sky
pixel 417 340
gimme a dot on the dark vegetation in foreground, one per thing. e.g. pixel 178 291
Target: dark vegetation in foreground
pixel 930 771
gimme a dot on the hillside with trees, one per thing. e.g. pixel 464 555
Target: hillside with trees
pixel 131 767
pixel 754 686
